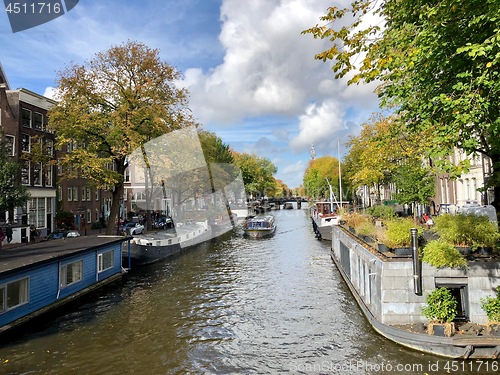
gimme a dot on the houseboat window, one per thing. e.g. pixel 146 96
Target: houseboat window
pixel 105 261
pixel 71 273
pixel 13 294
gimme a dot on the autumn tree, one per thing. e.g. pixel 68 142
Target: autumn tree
pixel 109 107
pixel 379 151
pixel 437 64
pixel 257 173
pixel 316 175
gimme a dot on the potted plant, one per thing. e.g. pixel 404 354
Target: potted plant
pixel 366 231
pixel 398 235
pixel 485 235
pixel 456 229
pixel 491 305
pixel 440 310
pixel 353 220
pixel 381 240
pixel 440 254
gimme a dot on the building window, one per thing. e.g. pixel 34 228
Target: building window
pixel 105 261
pixel 26 143
pixel 37 174
pixel 75 193
pixel 49 148
pixel 25 173
pixel 89 215
pixel 38 121
pixel 41 213
pixel 83 194
pixel 14 294
pixel 48 175
pixel 71 273
pixel 88 194
pixel 9 145
pixel 60 193
pixel 26 117
pixel 70 194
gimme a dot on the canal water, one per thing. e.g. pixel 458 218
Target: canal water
pixel 231 306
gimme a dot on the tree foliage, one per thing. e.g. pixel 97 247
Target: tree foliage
pixel 414 183
pixel 316 174
pixel 437 64
pixel 378 153
pixel 112 105
pixel 257 173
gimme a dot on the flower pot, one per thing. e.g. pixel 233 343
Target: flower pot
pixel 438 329
pixel 367 239
pixel 382 247
pixel 494 329
pixel 483 250
pixel 402 251
pixel 441 329
pixel 464 250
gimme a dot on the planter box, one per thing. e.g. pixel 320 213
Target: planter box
pixel 382 247
pixel 464 250
pixel 403 251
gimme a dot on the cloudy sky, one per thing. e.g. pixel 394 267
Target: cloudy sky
pixel 252 76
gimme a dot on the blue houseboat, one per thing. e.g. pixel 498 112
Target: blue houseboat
pixel 40 277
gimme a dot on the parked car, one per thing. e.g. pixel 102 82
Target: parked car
pixel 73 233
pixel 56 235
pixel 133 228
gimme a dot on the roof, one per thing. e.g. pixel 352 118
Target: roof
pixel 17 258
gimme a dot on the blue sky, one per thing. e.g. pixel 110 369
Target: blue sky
pixel 252 76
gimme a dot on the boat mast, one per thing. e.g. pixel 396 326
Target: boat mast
pixel 340 176
pixel 332 196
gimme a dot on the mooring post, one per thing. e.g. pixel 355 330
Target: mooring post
pixel 417 268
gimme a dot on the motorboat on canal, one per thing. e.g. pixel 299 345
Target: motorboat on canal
pixel 260 226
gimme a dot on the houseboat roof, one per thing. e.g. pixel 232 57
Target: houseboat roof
pixel 23 256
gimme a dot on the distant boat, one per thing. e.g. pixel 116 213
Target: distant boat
pixel 288 206
pixel 260 226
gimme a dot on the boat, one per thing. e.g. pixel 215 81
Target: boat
pixel 288 206
pixel 260 226
pixel 324 215
pixel 154 246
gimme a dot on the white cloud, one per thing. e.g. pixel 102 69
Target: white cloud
pixel 50 92
pixel 268 66
pixel 320 125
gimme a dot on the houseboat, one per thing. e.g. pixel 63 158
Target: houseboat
pixel 154 246
pixel 260 226
pixel 37 278
pixel 324 215
pixel 391 292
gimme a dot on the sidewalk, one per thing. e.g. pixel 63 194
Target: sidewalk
pixel 91 232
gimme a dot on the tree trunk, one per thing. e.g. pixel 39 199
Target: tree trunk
pixel 495 161
pixel 115 210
